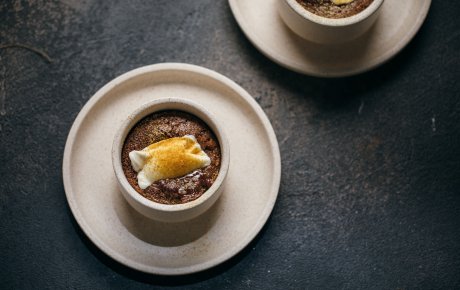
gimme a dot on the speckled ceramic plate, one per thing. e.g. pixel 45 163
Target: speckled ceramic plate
pixel 250 189
pixel 397 24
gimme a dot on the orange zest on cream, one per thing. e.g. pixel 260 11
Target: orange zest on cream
pixel 169 158
pixel 340 2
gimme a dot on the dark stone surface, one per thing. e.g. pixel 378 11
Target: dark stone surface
pixel 370 191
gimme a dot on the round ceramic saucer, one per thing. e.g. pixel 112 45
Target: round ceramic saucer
pixel 396 26
pixel 250 189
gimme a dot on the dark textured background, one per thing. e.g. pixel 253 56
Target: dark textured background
pixel 370 190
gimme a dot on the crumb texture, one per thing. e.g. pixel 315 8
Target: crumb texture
pixel 326 8
pixel 168 124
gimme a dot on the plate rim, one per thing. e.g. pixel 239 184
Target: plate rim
pixel 184 67
pixel 284 62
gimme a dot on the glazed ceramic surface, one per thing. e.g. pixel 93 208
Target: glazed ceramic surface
pixel 250 189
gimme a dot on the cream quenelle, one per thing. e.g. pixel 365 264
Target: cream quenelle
pixel 169 158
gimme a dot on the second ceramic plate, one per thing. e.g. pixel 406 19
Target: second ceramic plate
pixel 250 189
pixel 397 24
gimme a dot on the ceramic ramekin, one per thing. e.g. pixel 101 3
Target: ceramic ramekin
pixel 327 30
pixel 165 212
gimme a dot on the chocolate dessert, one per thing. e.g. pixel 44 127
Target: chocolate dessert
pixel 329 9
pixel 162 126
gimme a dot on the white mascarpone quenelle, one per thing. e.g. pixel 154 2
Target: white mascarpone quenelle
pixel 169 158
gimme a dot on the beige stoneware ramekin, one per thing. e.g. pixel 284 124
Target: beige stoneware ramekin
pixel 327 30
pixel 166 212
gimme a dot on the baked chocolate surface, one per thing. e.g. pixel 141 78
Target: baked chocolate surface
pixel 164 125
pixel 326 8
